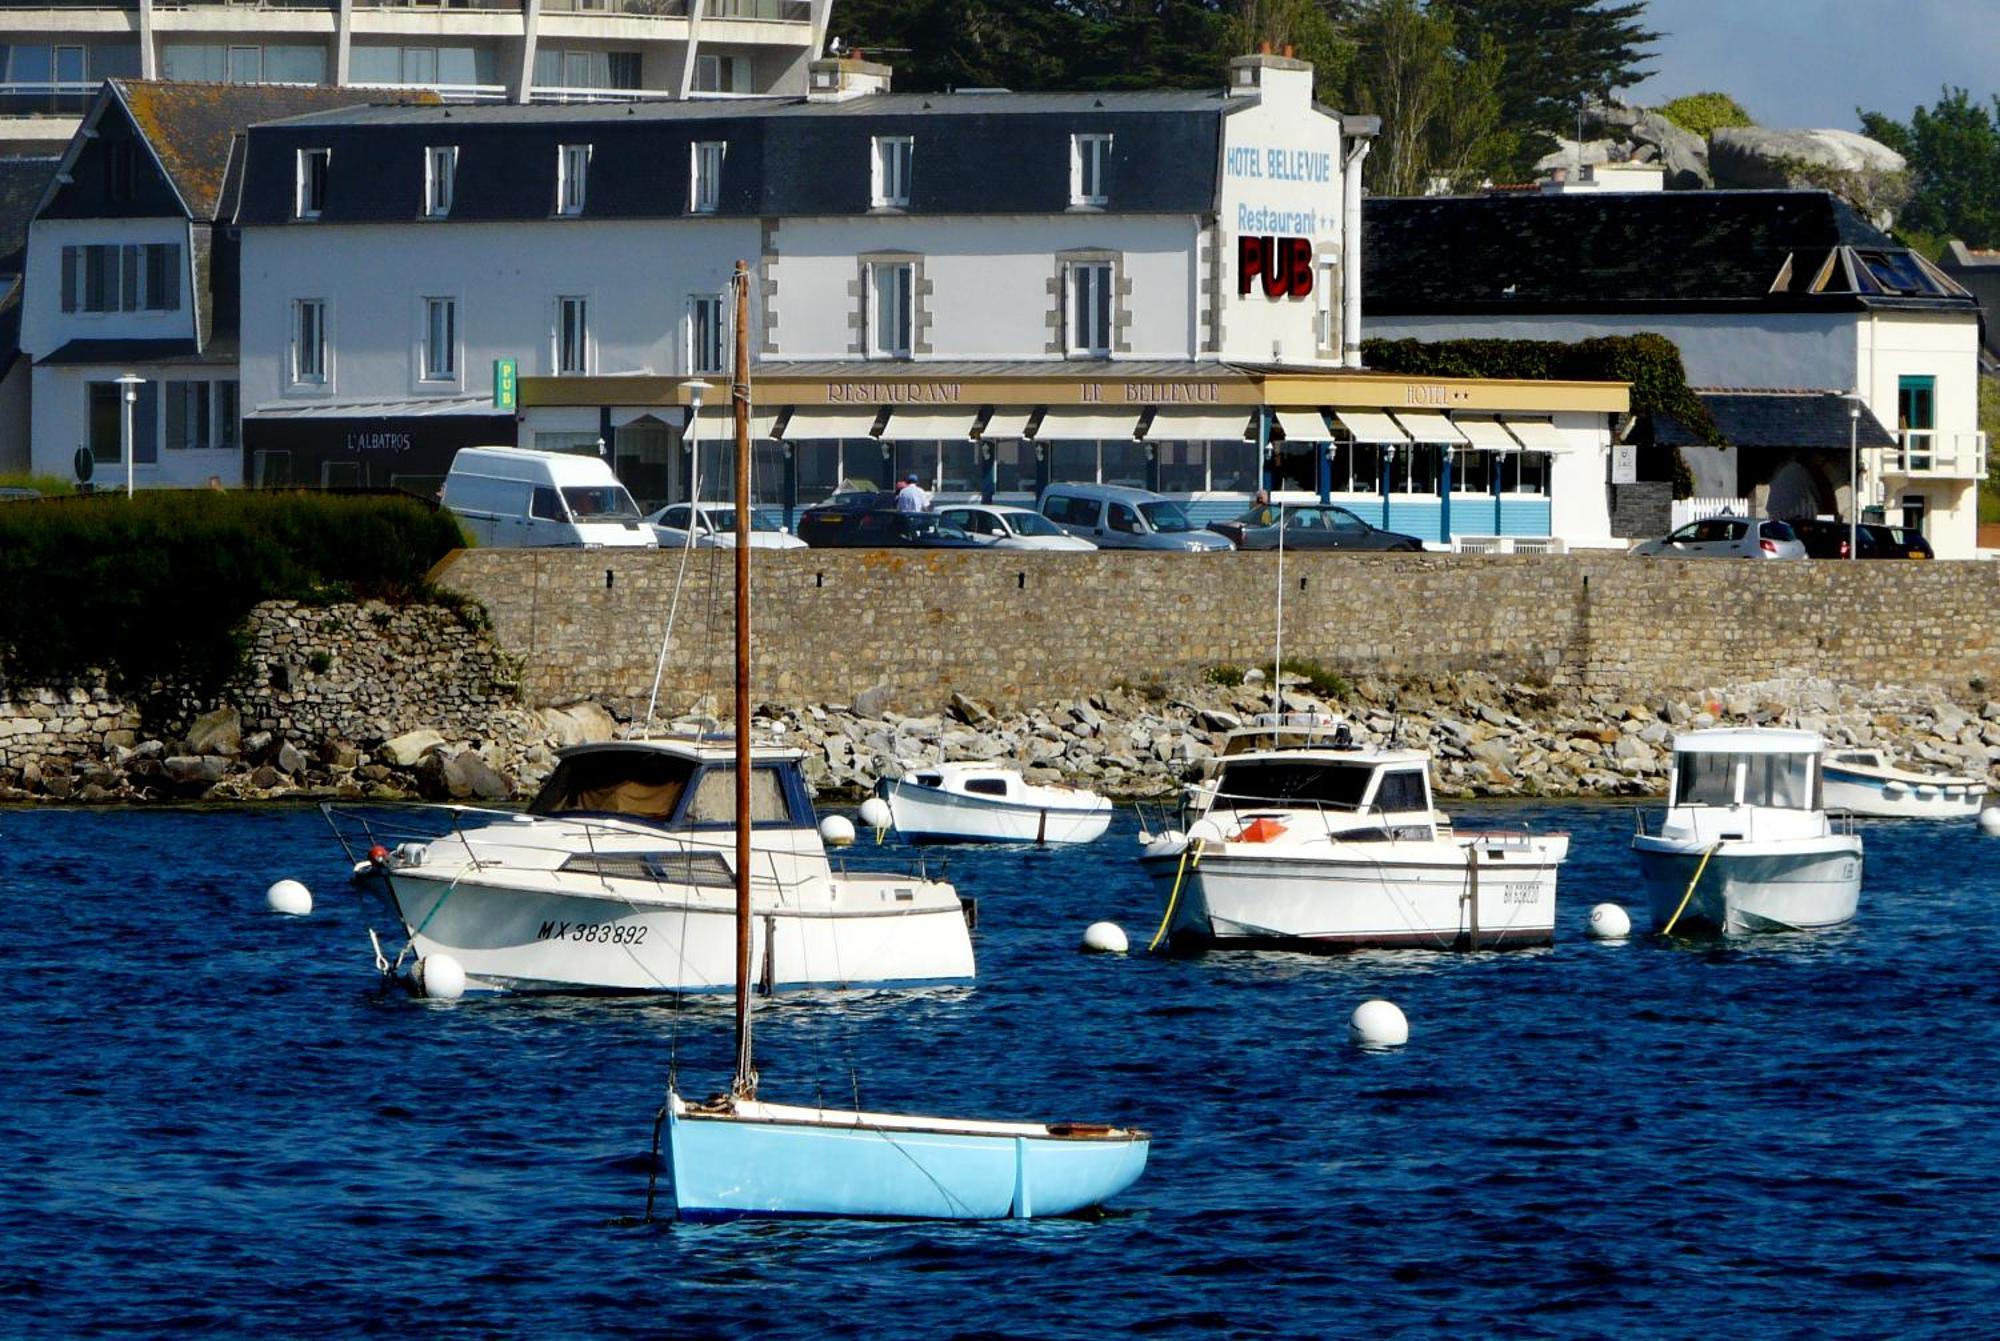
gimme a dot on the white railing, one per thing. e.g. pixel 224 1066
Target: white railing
pixel 559 94
pixel 1687 510
pixel 448 92
pixel 1508 544
pixel 1926 451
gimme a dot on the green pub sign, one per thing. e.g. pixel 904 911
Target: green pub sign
pixel 503 384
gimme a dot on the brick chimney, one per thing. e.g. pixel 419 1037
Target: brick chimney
pixel 1271 77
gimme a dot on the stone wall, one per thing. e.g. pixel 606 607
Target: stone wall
pixel 1020 628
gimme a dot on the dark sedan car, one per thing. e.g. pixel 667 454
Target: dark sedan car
pixel 853 528
pixel 1828 540
pixel 1898 542
pixel 1310 526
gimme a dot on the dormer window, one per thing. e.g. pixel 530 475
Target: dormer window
pixel 891 176
pixel 312 171
pixel 705 176
pixel 1089 160
pixel 440 167
pixel 572 167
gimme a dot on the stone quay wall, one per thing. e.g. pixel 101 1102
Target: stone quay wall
pixel 1015 629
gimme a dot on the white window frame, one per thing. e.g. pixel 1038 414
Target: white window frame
pixel 572 178
pixel 705 159
pixel 440 179
pixel 1326 310
pixel 1089 161
pixel 904 344
pixel 302 205
pixel 309 365
pixel 572 306
pixel 1104 282
pixel 892 159
pixel 429 372
pixel 717 327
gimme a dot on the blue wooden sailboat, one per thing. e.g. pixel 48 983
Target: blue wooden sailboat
pixel 739 1156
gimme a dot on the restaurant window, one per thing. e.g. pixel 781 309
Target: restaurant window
pixel 309 340
pixel 1235 467
pixel 1523 472
pixel 892 286
pixel 1123 462
pixel 705 334
pixel 1088 285
pixel 1089 163
pixel 891 170
pixel 572 334
pixel 1013 466
pixel 1326 309
pixel 1072 462
pixel 705 176
pixel 572 172
pixel 440 340
pixel 1183 467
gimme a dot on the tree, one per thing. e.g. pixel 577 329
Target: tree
pixel 1700 113
pixel 1557 53
pixel 1305 27
pixel 1954 155
pixel 1440 107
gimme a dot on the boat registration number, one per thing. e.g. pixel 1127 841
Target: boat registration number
pixel 1522 893
pixel 604 933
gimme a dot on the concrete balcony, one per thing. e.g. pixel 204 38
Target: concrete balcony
pixel 1923 453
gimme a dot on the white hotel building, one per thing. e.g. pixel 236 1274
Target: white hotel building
pixel 996 290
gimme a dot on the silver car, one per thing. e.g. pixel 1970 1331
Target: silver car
pixel 1726 538
pixel 1003 527
pixel 1113 516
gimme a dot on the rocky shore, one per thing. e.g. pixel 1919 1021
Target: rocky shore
pixel 1488 737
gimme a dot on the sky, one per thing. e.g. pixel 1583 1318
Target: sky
pixel 1799 64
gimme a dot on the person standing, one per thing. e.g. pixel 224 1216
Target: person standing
pixel 912 496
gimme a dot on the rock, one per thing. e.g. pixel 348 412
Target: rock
pixel 970 711
pixel 265 777
pixel 872 702
pixel 256 743
pixel 290 760
pixel 217 732
pixel 405 750
pixel 189 771
pixel 1864 172
pixel 467 775
pixel 1214 719
pixel 335 752
pixel 1682 153
pixel 579 723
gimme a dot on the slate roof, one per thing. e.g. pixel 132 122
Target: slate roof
pixel 1777 419
pixel 1671 251
pixel 191 126
pixel 23 182
pixel 10 328
pixel 181 350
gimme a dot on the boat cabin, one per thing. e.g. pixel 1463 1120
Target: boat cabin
pixel 998 783
pixel 1377 793
pixel 675 785
pixel 1761 767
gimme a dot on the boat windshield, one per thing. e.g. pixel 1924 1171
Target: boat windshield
pixel 1265 782
pixel 1782 781
pixel 643 784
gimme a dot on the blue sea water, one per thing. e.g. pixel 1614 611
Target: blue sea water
pixel 215 1122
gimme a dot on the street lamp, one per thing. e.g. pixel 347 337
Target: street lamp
pixel 694 391
pixel 1854 475
pixel 130 382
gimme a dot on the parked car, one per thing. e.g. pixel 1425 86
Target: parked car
pixel 1898 542
pixel 853 528
pixel 1310 526
pixel 1000 526
pixel 715 528
pixel 1114 517
pixel 1829 539
pixel 512 496
pixel 1726 538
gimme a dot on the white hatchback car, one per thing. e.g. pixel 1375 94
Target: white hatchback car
pixel 1004 527
pixel 715 528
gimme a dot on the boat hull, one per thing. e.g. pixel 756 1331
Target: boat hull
pixel 873 931
pixel 1799 885
pixel 1373 894
pixel 1884 798
pixel 767 1160
pixel 933 815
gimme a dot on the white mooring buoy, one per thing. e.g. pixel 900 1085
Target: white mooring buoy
pixel 1105 938
pixel 875 813
pixel 440 978
pixel 290 898
pixel 1378 1024
pixel 1989 821
pixel 836 831
pixel 1609 922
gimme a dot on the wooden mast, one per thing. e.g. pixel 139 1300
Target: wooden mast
pixel 739 399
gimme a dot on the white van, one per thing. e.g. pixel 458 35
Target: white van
pixel 510 496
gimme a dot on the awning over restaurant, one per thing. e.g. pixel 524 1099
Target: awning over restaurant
pixel 1537 435
pixel 1175 425
pixel 1006 424
pixel 1370 426
pixel 929 425
pixel 807 425
pixel 1486 435
pixel 1429 426
pixel 1061 425
pixel 1302 425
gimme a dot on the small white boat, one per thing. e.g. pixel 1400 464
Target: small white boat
pixel 1864 782
pixel 1300 839
pixel 986 803
pixel 1747 844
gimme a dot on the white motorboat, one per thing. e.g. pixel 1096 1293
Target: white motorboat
pixel 1747 843
pixel 1300 839
pixel 619 877
pixel 1864 782
pixel 964 802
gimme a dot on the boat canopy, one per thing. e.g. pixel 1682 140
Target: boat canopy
pixel 663 787
pixel 1748 740
pixel 1780 780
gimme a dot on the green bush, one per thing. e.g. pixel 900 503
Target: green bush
pixel 1226 676
pixel 1702 113
pixel 1323 682
pixel 154 588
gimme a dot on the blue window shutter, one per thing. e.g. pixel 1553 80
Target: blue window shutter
pixel 69 279
pixel 146 424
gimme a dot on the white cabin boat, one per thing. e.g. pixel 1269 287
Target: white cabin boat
pixel 1864 782
pixel 987 803
pixel 1300 839
pixel 1747 844
pixel 620 877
